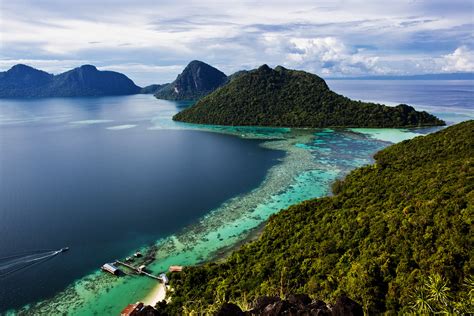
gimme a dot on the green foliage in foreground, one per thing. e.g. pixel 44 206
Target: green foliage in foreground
pixel 435 297
pixel 282 97
pixel 384 239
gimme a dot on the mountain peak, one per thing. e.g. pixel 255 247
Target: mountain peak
pixel 280 68
pixel 264 67
pixel 197 79
pixel 22 67
pixel 88 67
pixel 24 76
pixel 197 63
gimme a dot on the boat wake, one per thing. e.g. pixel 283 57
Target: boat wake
pixel 14 263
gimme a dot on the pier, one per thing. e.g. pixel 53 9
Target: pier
pixel 140 270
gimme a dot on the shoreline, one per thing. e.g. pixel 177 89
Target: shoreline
pixel 254 233
pixel 157 295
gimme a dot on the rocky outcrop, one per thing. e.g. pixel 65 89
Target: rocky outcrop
pixel 197 80
pixel 299 304
pixel 229 309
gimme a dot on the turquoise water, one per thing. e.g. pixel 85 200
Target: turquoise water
pixel 94 176
pixel 314 158
pixel 312 162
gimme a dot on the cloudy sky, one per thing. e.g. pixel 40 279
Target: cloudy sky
pixel 151 41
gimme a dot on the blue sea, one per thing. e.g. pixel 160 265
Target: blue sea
pixel 107 176
pixel 451 100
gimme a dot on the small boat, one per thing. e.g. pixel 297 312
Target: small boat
pixel 64 249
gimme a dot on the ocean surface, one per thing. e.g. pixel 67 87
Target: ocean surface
pixel 107 176
pixel 451 100
pixel 89 174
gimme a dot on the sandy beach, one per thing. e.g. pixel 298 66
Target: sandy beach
pixel 156 295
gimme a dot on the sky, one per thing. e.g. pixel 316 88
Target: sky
pixel 152 41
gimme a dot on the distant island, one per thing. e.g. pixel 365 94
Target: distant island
pixel 441 76
pixel 396 237
pixel 291 98
pixel 23 81
pixel 197 80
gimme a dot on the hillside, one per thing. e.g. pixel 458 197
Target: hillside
pixel 282 97
pixel 396 236
pixel 22 81
pixel 152 89
pixel 197 80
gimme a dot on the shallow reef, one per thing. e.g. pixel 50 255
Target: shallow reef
pixel 313 160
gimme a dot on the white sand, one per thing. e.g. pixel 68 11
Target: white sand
pixel 156 295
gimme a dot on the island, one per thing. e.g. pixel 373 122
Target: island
pixel 22 81
pixel 291 98
pixel 197 80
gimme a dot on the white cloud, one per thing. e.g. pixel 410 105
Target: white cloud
pixel 141 74
pixel 332 37
pixel 144 75
pixel 325 49
pixel 462 59
pixel 329 56
pixel 54 66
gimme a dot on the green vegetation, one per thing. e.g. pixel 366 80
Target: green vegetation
pixel 435 297
pixel 396 236
pixel 282 97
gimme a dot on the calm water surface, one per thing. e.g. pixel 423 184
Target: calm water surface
pixel 78 173
pixel 452 100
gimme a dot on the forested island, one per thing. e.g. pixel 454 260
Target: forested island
pixel 291 98
pixel 22 81
pixel 395 237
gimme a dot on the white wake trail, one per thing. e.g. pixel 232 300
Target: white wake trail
pixel 12 264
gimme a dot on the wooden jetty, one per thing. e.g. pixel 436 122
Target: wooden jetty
pixel 140 270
